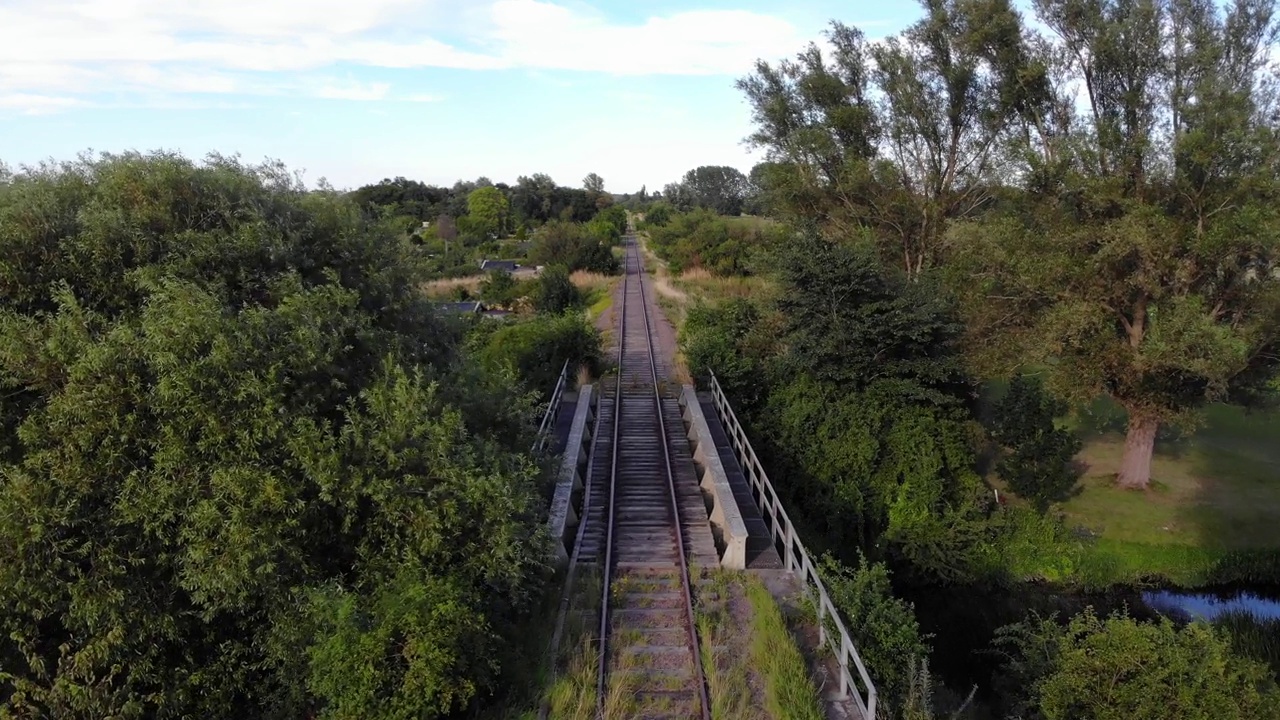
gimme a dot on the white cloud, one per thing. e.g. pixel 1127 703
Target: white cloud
pixel 352 90
pixel 79 48
pixel 33 104
pixel 545 35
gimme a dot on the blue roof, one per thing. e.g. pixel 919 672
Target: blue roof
pixel 470 306
pixel 491 265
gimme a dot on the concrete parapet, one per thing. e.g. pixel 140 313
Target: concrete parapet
pixel 563 520
pixel 727 524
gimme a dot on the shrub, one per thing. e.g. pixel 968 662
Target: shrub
pixel 536 349
pixel 882 627
pixel 1038 460
pixel 501 289
pixel 1122 669
pixel 555 293
pixel 572 245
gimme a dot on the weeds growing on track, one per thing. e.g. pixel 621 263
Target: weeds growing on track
pixel 753 666
pixel 788 689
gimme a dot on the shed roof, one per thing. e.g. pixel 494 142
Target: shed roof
pixel 470 306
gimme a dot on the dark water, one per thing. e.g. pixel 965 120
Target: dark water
pixel 963 620
pixel 1208 605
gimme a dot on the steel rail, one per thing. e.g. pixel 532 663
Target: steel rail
pixel 686 581
pixel 606 575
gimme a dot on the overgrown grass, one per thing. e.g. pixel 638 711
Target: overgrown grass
pixel 445 288
pixel 592 281
pixel 1252 637
pixel 700 285
pixel 723 659
pixel 788 690
pixel 753 665
pixel 572 690
pixel 597 291
pixel 1211 513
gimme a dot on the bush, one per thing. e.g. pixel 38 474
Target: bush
pixel 573 246
pixel 1122 669
pixel 615 216
pixel 501 289
pixel 658 215
pixel 245 472
pixel 555 293
pixel 1037 463
pixel 883 628
pixel 725 246
pixel 536 349
pixel 733 340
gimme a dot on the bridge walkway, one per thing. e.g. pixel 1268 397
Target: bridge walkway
pixel 564 422
pixel 761 552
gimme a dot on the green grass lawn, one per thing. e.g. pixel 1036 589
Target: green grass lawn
pixel 1215 490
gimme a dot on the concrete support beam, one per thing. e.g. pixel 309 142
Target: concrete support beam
pixel 563 521
pixel 727 525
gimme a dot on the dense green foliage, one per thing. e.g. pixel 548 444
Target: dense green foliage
pixel 882 627
pixel 1038 460
pixel 658 214
pixel 555 292
pixel 1124 241
pixel 459 226
pixel 536 348
pixel 857 395
pixel 718 188
pixel 246 468
pixel 702 239
pixel 577 247
pixel 1122 669
pixel 487 210
pixel 500 289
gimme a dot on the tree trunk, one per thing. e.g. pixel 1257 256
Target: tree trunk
pixel 1139 444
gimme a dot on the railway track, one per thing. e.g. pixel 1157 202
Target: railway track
pixel 644 531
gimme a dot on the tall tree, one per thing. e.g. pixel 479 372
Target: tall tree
pixel 720 188
pixel 593 183
pixel 1145 263
pixel 897 137
pixel 488 207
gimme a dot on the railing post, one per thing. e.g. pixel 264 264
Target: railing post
pixel 791 563
pixel 822 620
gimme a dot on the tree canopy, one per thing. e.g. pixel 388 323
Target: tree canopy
pixel 245 470
pixel 1142 261
pixel 719 188
pixel 1126 242
pixel 487 208
pixel 1121 669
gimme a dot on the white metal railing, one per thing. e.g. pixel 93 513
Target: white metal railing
pixel 552 413
pixel 797 559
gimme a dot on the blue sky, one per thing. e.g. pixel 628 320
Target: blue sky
pixel 356 90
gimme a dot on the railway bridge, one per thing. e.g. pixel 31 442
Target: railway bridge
pixel 657 485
